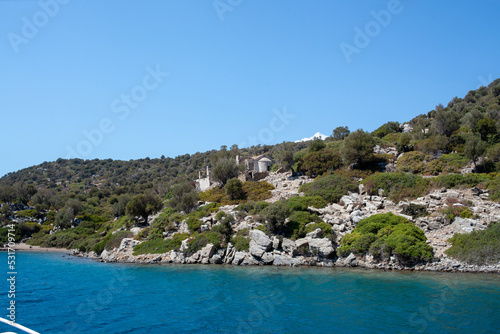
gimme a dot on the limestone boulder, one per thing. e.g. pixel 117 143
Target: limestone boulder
pixel 207 252
pixel 267 258
pixel 238 258
pixel 259 243
pixel 317 233
pixel 289 246
pixel 322 247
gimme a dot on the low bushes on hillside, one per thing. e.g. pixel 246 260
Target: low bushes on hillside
pixel 241 241
pixel 397 186
pixel 330 187
pixel 459 180
pixel 414 162
pixel 451 212
pixel 257 191
pixel 251 207
pixel 320 162
pixel 251 191
pixel 383 235
pixel 158 246
pixel 291 217
pixel 494 188
pixel 301 203
pixel 477 247
pixel 296 225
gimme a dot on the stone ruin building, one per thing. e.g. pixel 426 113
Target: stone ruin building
pixel 256 168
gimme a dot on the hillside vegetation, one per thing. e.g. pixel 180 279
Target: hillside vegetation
pixel 83 203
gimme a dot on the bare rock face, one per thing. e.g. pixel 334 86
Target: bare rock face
pixel 276 242
pixel 267 258
pixel 238 258
pixel 289 246
pixel 230 253
pixel 259 243
pixel 317 233
pixel 465 225
pixel 249 260
pixel 281 260
pixel 208 251
pixel 322 247
pixel 315 247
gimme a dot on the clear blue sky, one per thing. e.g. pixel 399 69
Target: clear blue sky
pixel 67 70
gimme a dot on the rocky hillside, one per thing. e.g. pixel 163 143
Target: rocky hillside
pixel 390 198
pixel 318 250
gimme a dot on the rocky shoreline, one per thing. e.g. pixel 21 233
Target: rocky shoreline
pixel 308 251
pixel 314 250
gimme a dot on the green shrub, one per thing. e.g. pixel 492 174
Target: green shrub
pixel 408 243
pixel 413 162
pixel 494 188
pixel 210 207
pixel 454 160
pixel 318 163
pixel 252 191
pixel 99 247
pixel 384 235
pixel 194 224
pixel 143 234
pixel 275 215
pixel 4 235
pixel 257 191
pixel 116 238
pixel 477 247
pixel 451 212
pixel 220 215
pixel 387 128
pixel 87 244
pixel 27 213
pixel 330 187
pixel 433 145
pixel 215 195
pixel 234 189
pixel 160 246
pixel 397 186
pixel 325 228
pixel 252 207
pixel 301 203
pixel 375 223
pixel 295 228
pixel 362 243
pixel 64 238
pixel 201 240
pixel 459 180
pixel 240 241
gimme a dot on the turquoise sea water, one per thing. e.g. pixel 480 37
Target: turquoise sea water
pixel 62 294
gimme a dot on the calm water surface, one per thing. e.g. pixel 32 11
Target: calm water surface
pixel 62 294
